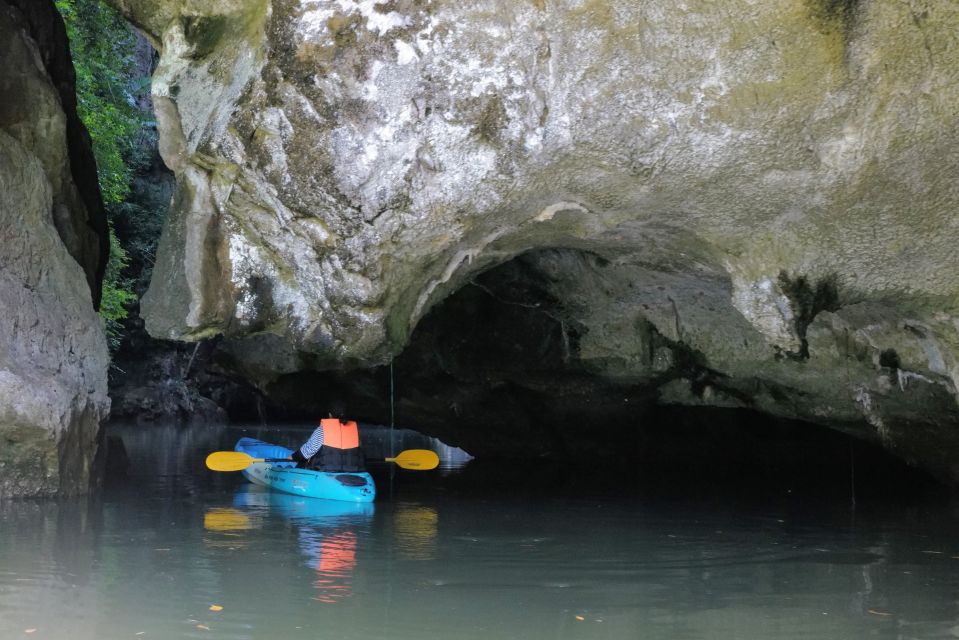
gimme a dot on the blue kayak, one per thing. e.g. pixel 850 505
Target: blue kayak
pixel 285 477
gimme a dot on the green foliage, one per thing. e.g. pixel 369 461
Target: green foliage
pixel 103 48
pixel 139 227
pixel 116 293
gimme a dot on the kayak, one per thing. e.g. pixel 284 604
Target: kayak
pixel 286 477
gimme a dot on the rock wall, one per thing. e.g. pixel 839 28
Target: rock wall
pixel 53 354
pixel 756 195
pixel 78 209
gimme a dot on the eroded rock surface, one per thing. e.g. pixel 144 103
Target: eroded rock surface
pixel 756 197
pixel 53 354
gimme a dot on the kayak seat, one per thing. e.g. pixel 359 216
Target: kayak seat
pixel 351 480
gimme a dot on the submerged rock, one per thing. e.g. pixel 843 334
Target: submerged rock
pixel 53 354
pixel 732 204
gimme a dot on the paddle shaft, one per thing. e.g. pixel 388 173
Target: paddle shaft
pixel 415 459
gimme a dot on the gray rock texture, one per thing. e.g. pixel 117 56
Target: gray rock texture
pixel 53 354
pixel 79 215
pixel 732 203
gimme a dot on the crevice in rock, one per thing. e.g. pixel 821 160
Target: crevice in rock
pixel 807 301
pixel 839 14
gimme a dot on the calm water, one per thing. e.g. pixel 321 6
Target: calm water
pixel 158 555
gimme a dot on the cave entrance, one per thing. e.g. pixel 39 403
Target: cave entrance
pixel 521 365
pixel 559 364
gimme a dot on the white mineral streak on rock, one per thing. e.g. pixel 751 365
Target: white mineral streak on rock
pixel 550 211
pixel 313 20
pixel 954 368
pixel 904 377
pixel 316 14
pixel 198 212
pixel 298 309
pixel 245 262
pixel 940 359
pixel 872 416
pixel 405 54
pixel 274 132
pixel 925 335
pixel 486 78
pixel 465 256
pixel 172 63
pixel 368 90
pixel 290 296
pixel 763 304
pixel 423 36
pixel 844 153
pixel 376 20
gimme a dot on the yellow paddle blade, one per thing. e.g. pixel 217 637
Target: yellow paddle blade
pixel 418 459
pixel 229 461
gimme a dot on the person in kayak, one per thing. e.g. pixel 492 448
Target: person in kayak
pixel 333 447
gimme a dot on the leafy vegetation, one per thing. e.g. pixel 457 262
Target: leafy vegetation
pixel 116 293
pixel 103 46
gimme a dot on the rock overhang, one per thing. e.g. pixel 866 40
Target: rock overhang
pixel 344 166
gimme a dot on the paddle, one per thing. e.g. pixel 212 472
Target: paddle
pixel 417 459
pixel 235 460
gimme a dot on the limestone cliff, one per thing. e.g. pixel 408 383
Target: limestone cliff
pixel 53 354
pixel 730 203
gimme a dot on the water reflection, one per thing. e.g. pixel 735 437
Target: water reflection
pixel 304 511
pixel 179 551
pixel 226 519
pixel 335 558
pixel 327 532
pixel 47 555
pixel 415 529
pixel 330 534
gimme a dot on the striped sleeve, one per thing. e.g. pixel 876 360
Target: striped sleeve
pixel 313 444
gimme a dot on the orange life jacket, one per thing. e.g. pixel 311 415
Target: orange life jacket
pixel 340 435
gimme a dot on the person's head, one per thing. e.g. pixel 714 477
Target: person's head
pixel 337 409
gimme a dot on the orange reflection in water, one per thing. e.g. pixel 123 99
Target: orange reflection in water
pixel 334 567
pixel 327 532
